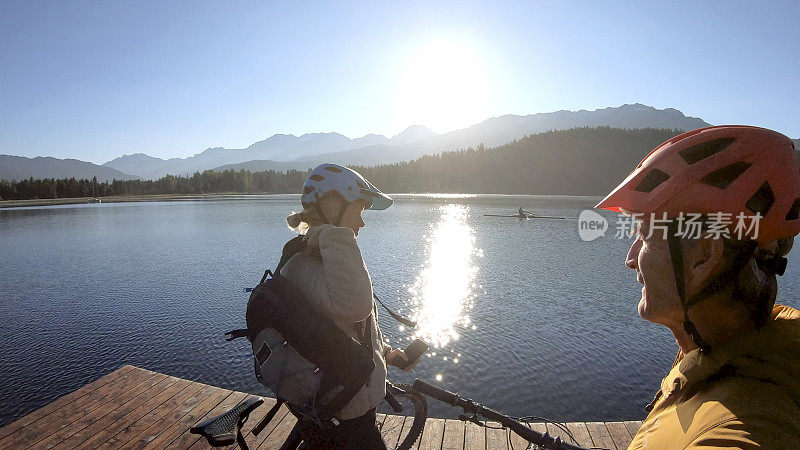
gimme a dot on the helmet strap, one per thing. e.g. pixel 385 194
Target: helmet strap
pixel 717 284
pixel 325 218
pixel 319 211
pixel 676 254
pixel 341 213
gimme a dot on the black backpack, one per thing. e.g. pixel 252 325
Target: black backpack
pixel 301 355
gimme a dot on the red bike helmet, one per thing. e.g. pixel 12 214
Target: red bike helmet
pixel 730 169
pixel 724 169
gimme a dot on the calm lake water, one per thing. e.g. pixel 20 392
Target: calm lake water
pixel 529 319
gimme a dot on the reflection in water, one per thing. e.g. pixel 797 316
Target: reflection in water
pixel 442 294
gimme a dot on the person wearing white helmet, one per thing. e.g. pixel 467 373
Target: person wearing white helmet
pixel 331 273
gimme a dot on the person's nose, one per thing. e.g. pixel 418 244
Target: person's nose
pixel 632 259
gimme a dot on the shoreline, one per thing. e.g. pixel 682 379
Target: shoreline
pixel 120 199
pixel 223 195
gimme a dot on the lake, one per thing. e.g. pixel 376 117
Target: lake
pixel 528 318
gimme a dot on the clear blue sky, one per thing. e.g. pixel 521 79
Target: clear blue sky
pixel 93 80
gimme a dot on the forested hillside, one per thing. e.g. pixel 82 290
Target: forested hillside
pixel 582 161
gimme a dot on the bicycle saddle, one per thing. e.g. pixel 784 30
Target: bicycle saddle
pixel 224 429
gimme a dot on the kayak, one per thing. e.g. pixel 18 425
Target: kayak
pixel 526 216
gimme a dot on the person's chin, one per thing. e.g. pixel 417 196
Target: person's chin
pixel 647 312
pixel 642 307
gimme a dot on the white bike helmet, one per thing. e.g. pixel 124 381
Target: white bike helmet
pixel 346 182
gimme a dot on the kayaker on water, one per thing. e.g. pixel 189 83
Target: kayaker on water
pixel 736 379
pixel 521 212
pixel 331 273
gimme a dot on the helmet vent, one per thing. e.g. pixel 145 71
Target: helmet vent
pixel 317 177
pixel 333 169
pixel 652 180
pixel 722 178
pixel 762 200
pixel 360 184
pixel 308 189
pixel 794 211
pixel 703 150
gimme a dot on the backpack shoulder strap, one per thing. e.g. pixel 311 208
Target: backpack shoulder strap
pixel 291 248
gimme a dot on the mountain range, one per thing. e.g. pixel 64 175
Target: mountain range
pixel 286 151
pixel 504 129
pixel 280 148
pixel 20 168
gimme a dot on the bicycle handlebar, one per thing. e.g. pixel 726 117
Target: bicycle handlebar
pixel 473 407
pixel 436 392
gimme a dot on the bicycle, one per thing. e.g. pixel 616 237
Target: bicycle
pixel 226 428
pixel 473 409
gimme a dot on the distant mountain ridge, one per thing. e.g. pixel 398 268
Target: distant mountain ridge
pixel 504 129
pixel 278 148
pixel 300 152
pixel 285 151
pixel 21 168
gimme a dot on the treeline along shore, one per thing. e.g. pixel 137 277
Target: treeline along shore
pixel 580 161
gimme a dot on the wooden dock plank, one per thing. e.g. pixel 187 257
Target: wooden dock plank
pixel 619 434
pixel 633 426
pixel 265 435
pixel 391 429
pixel 516 441
pixel 186 439
pixel 44 427
pixel 177 384
pixel 280 432
pixel 555 431
pixel 474 437
pixel 453 436
pixel 167 417
pixel 600 435
pixel 106 416
pixel 137 408
pixel 432 435
pixel 134 429
pixel 255 419
pixel 540 427
pixel 88 436
pixel 62 401
pixel 408 421
pixel 580 433
pixel 183 424
pixel 496 437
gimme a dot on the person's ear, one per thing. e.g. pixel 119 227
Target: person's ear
pixel 705 259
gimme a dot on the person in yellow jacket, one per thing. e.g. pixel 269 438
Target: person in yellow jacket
pixel 716 211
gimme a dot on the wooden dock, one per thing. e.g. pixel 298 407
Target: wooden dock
pixel 137 408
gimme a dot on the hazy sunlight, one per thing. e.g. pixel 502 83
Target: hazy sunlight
pixel 445 87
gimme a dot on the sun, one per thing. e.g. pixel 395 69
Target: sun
pixel 445 87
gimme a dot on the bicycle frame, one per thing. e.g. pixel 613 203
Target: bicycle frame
pixel 476 409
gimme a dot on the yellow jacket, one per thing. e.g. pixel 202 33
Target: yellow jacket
pixel 744 394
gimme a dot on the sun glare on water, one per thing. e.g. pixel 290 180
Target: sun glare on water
pixel 443 293
pixel 445 87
